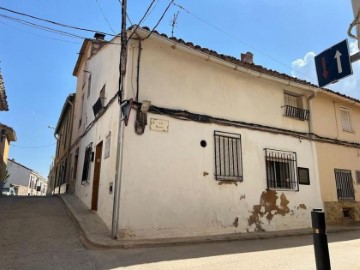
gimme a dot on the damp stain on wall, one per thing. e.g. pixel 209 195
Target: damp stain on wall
pixel 236 222
pixel 227 182
pixel 269 208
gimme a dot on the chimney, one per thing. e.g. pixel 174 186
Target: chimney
pixel 99 36
pixel 247 58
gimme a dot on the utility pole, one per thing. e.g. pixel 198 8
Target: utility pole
pixel 120 138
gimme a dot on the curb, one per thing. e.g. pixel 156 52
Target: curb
pixel 152 243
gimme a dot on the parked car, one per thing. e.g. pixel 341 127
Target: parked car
pixel 8 191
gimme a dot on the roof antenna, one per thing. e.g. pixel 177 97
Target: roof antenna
pixel 174 23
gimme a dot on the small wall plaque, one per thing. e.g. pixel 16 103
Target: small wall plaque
pixel 159 125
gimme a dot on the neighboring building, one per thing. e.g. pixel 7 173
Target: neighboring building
pixel 60 172
pixel 213 144
pixel 25 180
pixel 7 135
pixel 336 123
pixel 224 147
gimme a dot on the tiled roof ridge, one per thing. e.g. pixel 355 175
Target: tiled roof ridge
pixel 234 60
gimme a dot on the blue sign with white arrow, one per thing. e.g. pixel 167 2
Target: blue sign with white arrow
pixel 333 64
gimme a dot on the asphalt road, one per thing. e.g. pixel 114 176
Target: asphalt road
pixel 37 233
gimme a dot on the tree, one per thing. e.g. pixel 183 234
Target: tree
pixel 3 180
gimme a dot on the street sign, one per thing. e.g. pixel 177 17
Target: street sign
pixel 333 64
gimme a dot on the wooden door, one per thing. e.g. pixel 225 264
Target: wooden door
pixel 96 179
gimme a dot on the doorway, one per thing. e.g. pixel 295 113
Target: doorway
pixel 96 179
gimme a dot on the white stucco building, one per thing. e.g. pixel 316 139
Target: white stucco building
pixel 224 147
pixel 24 180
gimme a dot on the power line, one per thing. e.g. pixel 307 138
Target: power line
pixel 45 28
pixel 237 39
pixel 162 16
pixel 107 21
pixel 157 2
pixel 32 147
pixel 141 20
pixel 40 36
pixel 56 23
pixel 127 16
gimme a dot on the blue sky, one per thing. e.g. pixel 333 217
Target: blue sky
pixel 37 65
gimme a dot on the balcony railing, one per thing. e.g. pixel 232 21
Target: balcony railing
pixel 297 113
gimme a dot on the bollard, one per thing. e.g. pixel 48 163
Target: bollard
pixel 321 249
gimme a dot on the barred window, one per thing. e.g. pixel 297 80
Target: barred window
pixel 228 156
pixel 344 185
pixel 281 170
pixel 293 107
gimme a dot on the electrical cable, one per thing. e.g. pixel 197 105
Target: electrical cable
pixel 162 16
pixel 127 16
pixel 102 12
pixel 45 28
pixel 39 36
pixel 32 147
pixel 240 41
pixel 141 20
pixel 56 23
pixel 157 2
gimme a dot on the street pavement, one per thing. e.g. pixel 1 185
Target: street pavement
pixel 42 233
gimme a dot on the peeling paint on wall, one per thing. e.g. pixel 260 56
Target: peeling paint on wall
pixel 242 197
pixel 268 208
pixel 236 222
pixel 302 206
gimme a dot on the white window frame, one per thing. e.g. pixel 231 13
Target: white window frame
pixel 346 119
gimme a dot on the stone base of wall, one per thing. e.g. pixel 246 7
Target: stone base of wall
pixel 335 211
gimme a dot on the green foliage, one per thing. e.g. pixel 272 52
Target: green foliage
pixel 6 176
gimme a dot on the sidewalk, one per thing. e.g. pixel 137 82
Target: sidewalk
pixel 94 232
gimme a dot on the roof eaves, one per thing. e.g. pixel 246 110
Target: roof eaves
pixel 69 99
pixel 254 67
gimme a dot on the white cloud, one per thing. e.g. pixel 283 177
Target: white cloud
pixel 305 69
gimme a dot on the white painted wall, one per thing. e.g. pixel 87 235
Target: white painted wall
pixel 165 192
pixel 19 175
pixel 168 185
pixel 103 67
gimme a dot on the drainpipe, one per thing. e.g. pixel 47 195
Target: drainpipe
pixel 309 103
pixel 319 202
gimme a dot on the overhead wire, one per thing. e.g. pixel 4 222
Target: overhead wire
pixel 162 16
pixel 238 40
pixel 40 36
pixel 127 16
pixel 142 19
pixel 103 14
pixel 45 28
pixel 55 23
pixel 32 147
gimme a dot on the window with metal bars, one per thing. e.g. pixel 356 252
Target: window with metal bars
pixel 293 107
pixel 228 156
pixel 281 170
pixel 344 185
